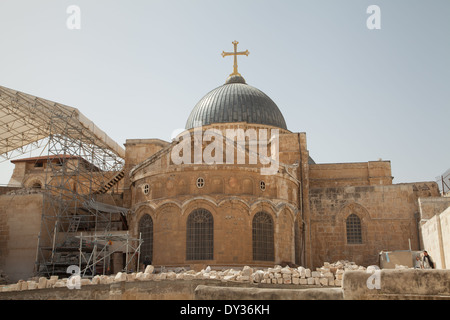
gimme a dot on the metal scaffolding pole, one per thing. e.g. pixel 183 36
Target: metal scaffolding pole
pixel 83 164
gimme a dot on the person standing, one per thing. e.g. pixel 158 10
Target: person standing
pixel 428 263
pixel 418 264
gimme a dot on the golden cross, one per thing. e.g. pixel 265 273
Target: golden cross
pixel 235 54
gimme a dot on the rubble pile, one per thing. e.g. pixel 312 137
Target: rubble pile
pixel 330 275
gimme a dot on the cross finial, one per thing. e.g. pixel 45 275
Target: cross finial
pixel 235 54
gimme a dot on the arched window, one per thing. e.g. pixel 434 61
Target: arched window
pixel 262 236
pixel 36 185
pixel 354 234
pixel 200 235
pixel 146 231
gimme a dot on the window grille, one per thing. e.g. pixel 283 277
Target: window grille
pixel 146 231
pixel 262 232
pixel 354 234
pixel 200 183
pixel 262 185
pixel 200 235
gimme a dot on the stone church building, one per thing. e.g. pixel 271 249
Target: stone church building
pixel 229 212
pixel 232 215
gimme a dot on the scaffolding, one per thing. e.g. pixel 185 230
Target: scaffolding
pixel 83 171
pixel 95 253
pixel 444 182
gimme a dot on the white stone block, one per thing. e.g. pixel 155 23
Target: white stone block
pixel 307 273
pixel 149 269
pixel 42 283
pixel 310 281
pixel 163 276
pixel 139 276
pixel 96 280
pixel 302 272
pixel 105 279
pixel 295 280
pixel 188 276
pixel 85 282
pixel 50 283
pixel 315 274
pixel 286 270
pixel 206 276
pixel 229 278
pixel 120 277
pixel 243 278
pixel 59 284
pixel 316 281
pixel 32 285
pixel 247 271
pixel 323 281
pixel 304 281
pixel 23 285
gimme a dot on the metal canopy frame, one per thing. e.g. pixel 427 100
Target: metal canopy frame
pixel 83 164
pixel 26 120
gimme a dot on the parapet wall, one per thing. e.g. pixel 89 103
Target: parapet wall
pixel 435 233
pixel 329 175
pixel 397 284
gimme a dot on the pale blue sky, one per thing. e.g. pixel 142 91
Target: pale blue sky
pixel 137 69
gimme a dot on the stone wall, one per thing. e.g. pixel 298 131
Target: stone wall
pixel 20 223
pixel 435 232
pixel 409 284
pixel 136 151
pixel 429 207
pixel 388 214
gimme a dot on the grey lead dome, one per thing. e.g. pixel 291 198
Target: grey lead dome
pixel 236 101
